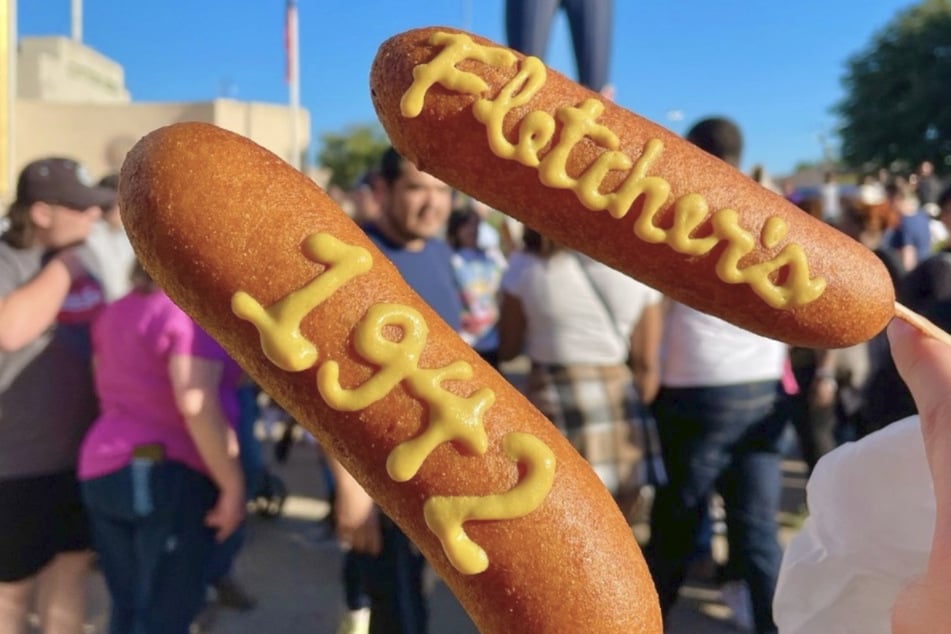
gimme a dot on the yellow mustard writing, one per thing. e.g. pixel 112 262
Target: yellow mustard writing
pixel 446 515
pixel 279 324
pixel 450 417
pixel 781 282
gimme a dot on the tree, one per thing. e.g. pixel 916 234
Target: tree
pixel 352 153
pixel 897 108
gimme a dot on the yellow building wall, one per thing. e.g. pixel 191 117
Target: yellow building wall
pixel 99 135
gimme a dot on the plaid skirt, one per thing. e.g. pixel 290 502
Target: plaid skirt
pixel 599 412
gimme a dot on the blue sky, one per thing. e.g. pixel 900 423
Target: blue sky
pixel 774 67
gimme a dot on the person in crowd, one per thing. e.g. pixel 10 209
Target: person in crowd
pixel 833 382
pixel 928 186
pixel 478 274
pixel 911 238
pixel 159 467
pixel 491 228
pixel 864 405
pixel 871 189
pixel 111 247
pixel 580 322
pixel 887 398
pixel 812 205
pixel 415 207
pixel 365 205
pixel 830 195
pixel 759 174
pixel 47 401
pixel 790 191
pixel 226 590
pixel 721 417
pixel 931 280
pixel 528 25
pixel 813 410
pixel 870 221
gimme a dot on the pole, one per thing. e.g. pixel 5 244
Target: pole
pixel 76 20
pixel 293 70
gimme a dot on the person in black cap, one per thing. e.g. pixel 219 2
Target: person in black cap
pixel 47 299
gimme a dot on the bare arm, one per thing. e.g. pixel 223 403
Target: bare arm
pixel 27 311
pixel 645 352
pixel 195 384
pixel 909 257
pixel 356 516
pixel 511 327
pixel 824 384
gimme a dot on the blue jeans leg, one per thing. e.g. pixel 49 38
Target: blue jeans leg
pixel 751 491
pixel 354 573
pixel 152 543
pixel 725 435
pixel 528 25
pixel 394 581
pixel 252 461
pixel 222 559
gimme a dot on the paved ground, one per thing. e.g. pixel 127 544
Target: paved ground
pixel 292 567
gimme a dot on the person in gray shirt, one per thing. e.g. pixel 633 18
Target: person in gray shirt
pixel 47 400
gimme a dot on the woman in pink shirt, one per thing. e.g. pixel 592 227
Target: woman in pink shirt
pixel 159 468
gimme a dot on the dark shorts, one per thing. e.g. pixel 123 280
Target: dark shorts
pixel 40 517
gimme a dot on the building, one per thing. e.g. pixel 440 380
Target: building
pixel 69 100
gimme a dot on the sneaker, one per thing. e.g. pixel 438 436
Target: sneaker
pixel 205 620
pixel 736 596
pixel 231 594
pixel 355 622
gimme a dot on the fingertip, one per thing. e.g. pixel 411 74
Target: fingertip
pixel 922 360
pixel 900 330
pixel 907 343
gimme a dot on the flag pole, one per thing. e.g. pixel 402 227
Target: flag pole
pixel 293 79
pixel 76 21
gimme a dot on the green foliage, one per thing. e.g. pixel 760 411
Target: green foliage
pixel 803 166
pixel 350 154
pixel 898 104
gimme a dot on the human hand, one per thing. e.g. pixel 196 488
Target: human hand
pixel 822 391
pixel 925 365
pixel 227 513
pixel 69 259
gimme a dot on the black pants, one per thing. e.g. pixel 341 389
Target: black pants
pixel 528 24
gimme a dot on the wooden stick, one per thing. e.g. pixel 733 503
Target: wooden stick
pixel 906 314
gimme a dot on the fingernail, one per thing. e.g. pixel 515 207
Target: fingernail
pixel 901 328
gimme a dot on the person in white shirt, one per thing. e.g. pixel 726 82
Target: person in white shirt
pixel 579 321
pixel 831 200
pixel 720 417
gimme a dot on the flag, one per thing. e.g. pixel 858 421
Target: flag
pixel 290 40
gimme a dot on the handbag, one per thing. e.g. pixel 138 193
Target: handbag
pixel 643 424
